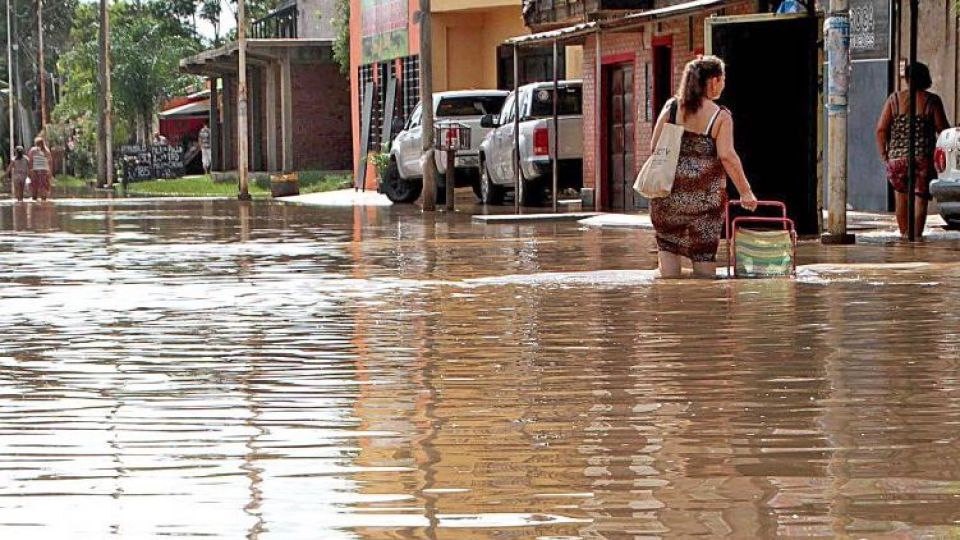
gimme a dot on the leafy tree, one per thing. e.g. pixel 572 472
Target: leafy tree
pixel 341 44
pixel 146 54
pixel 210 11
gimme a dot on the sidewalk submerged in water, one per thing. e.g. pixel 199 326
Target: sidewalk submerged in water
pixel 866 225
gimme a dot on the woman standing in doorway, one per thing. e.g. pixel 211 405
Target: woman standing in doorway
pixel 688 222
pixel 40 164
pixel 893 141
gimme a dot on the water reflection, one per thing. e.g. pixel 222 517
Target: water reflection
pixel 224 369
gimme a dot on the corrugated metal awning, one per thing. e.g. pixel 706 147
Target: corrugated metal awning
pixel 618 24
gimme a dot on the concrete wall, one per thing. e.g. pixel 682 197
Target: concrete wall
pixel 465 46
pixel 321 121
pixel 867 188
pixel 315 19
pixel 937 47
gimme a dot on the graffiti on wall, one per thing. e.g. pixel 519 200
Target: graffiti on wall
pixel 384 29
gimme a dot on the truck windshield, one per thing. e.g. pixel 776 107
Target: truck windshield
pixel 470 105
pixel 571 102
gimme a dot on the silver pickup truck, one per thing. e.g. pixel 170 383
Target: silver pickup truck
pixel 403 180
pixel 497 150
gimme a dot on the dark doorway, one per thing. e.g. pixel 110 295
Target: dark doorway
pixel 620 130
pixel 772 91
pixel 535 64
pixel 662 76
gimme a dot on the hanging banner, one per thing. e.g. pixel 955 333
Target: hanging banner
pixel 384 29
pixel 870 30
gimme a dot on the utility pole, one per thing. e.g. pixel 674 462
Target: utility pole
pixel 912 155
pixel 428 198
pixel 10 93
pixel 242 141
pixel 105 120
pixel 836 31
pixel 44 118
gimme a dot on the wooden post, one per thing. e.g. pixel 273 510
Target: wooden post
pixel 10 93
pixel 43 73
pixel 517 174
pixel 837 44
pixel 243 140
pixel 555 153
pixel 911 156
pixel 105 120
pixel 215 129
pixel 428 197
pixel 286 114
pixel 451 178
pixel 271 104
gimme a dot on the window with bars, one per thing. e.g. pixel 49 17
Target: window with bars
pixel 408 95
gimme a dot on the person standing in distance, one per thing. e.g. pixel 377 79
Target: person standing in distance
pixel 205 154
pixel 40 166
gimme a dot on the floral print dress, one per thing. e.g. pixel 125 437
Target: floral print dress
pixel 688 222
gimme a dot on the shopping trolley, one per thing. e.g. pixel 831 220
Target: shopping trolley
pixel 760 252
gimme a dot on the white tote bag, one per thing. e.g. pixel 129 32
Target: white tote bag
pixel 656 177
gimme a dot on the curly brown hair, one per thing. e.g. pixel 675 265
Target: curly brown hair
pixel 693 84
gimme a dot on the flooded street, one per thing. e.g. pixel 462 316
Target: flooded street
pixel 206 369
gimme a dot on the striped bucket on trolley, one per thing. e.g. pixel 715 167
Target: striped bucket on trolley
pixel 763 253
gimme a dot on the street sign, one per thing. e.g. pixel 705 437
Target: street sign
pixel 870 30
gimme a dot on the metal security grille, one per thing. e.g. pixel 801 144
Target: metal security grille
pixel 365 76
pixel 408 94
pixel 411 84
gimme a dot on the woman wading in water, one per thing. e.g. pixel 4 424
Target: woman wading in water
pixel 688 222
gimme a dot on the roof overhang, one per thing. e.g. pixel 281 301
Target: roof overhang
pixel 196 109
pixel 622 23
pixel 224 60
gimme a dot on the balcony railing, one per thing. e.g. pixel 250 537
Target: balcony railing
pixel 547 12
pixel 542 13
pixel 282 23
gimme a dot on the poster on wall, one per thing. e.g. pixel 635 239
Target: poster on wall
pixel 384 29
pixel 870 30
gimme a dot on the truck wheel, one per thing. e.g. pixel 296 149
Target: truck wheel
pixel 397 189
pixel 485 189
pixel 534 193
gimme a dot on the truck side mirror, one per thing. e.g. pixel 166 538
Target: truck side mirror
pixel 488 121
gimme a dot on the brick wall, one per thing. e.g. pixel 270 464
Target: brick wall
pixel 321 119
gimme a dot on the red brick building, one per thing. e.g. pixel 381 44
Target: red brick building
pixel 633 56
pixel 299 102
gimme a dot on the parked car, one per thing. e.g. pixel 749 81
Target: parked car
pixel 497 151
pixel 946 188
pixel 403 180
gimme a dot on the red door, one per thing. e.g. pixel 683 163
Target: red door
pixel 620 133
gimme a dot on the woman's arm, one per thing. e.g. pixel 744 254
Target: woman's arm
pixel 939 114
pixel 883 127
pixel 731 161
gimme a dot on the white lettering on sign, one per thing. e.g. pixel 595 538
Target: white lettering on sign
pixel 863 27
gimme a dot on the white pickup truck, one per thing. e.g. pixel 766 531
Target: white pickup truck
pixel 497 151
pixel 403 180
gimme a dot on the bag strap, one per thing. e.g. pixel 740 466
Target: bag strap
pixel 713 120
pixel 673 110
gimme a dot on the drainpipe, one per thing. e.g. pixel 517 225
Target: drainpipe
pixel 836 31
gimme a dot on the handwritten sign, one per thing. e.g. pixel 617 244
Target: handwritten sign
pixel 142 162
pixel 869 30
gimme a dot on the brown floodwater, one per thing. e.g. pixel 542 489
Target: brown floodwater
pixel 207 369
